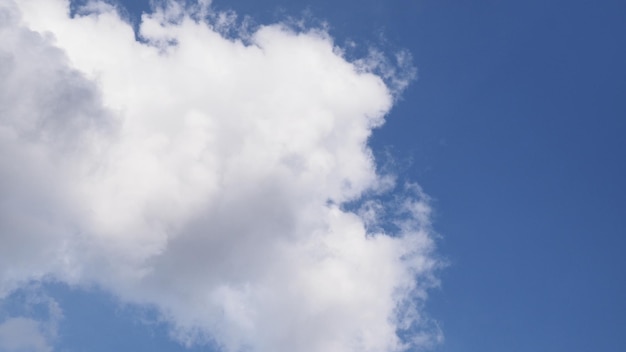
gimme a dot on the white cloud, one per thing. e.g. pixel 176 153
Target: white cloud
pixel 22 335
pixel 34 327
pixel 205 176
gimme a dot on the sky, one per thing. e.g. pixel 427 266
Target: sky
pixel 312 176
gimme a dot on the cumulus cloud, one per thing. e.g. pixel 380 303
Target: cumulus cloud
pixel 207 176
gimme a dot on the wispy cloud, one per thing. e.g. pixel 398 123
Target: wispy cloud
pixel 22 334
pixel 29 321
pixel 206 176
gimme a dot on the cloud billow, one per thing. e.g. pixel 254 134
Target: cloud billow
pixel 206 176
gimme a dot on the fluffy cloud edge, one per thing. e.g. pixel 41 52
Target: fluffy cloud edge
pixel 332 249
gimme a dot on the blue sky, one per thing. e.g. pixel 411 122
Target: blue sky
pixel 514 128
